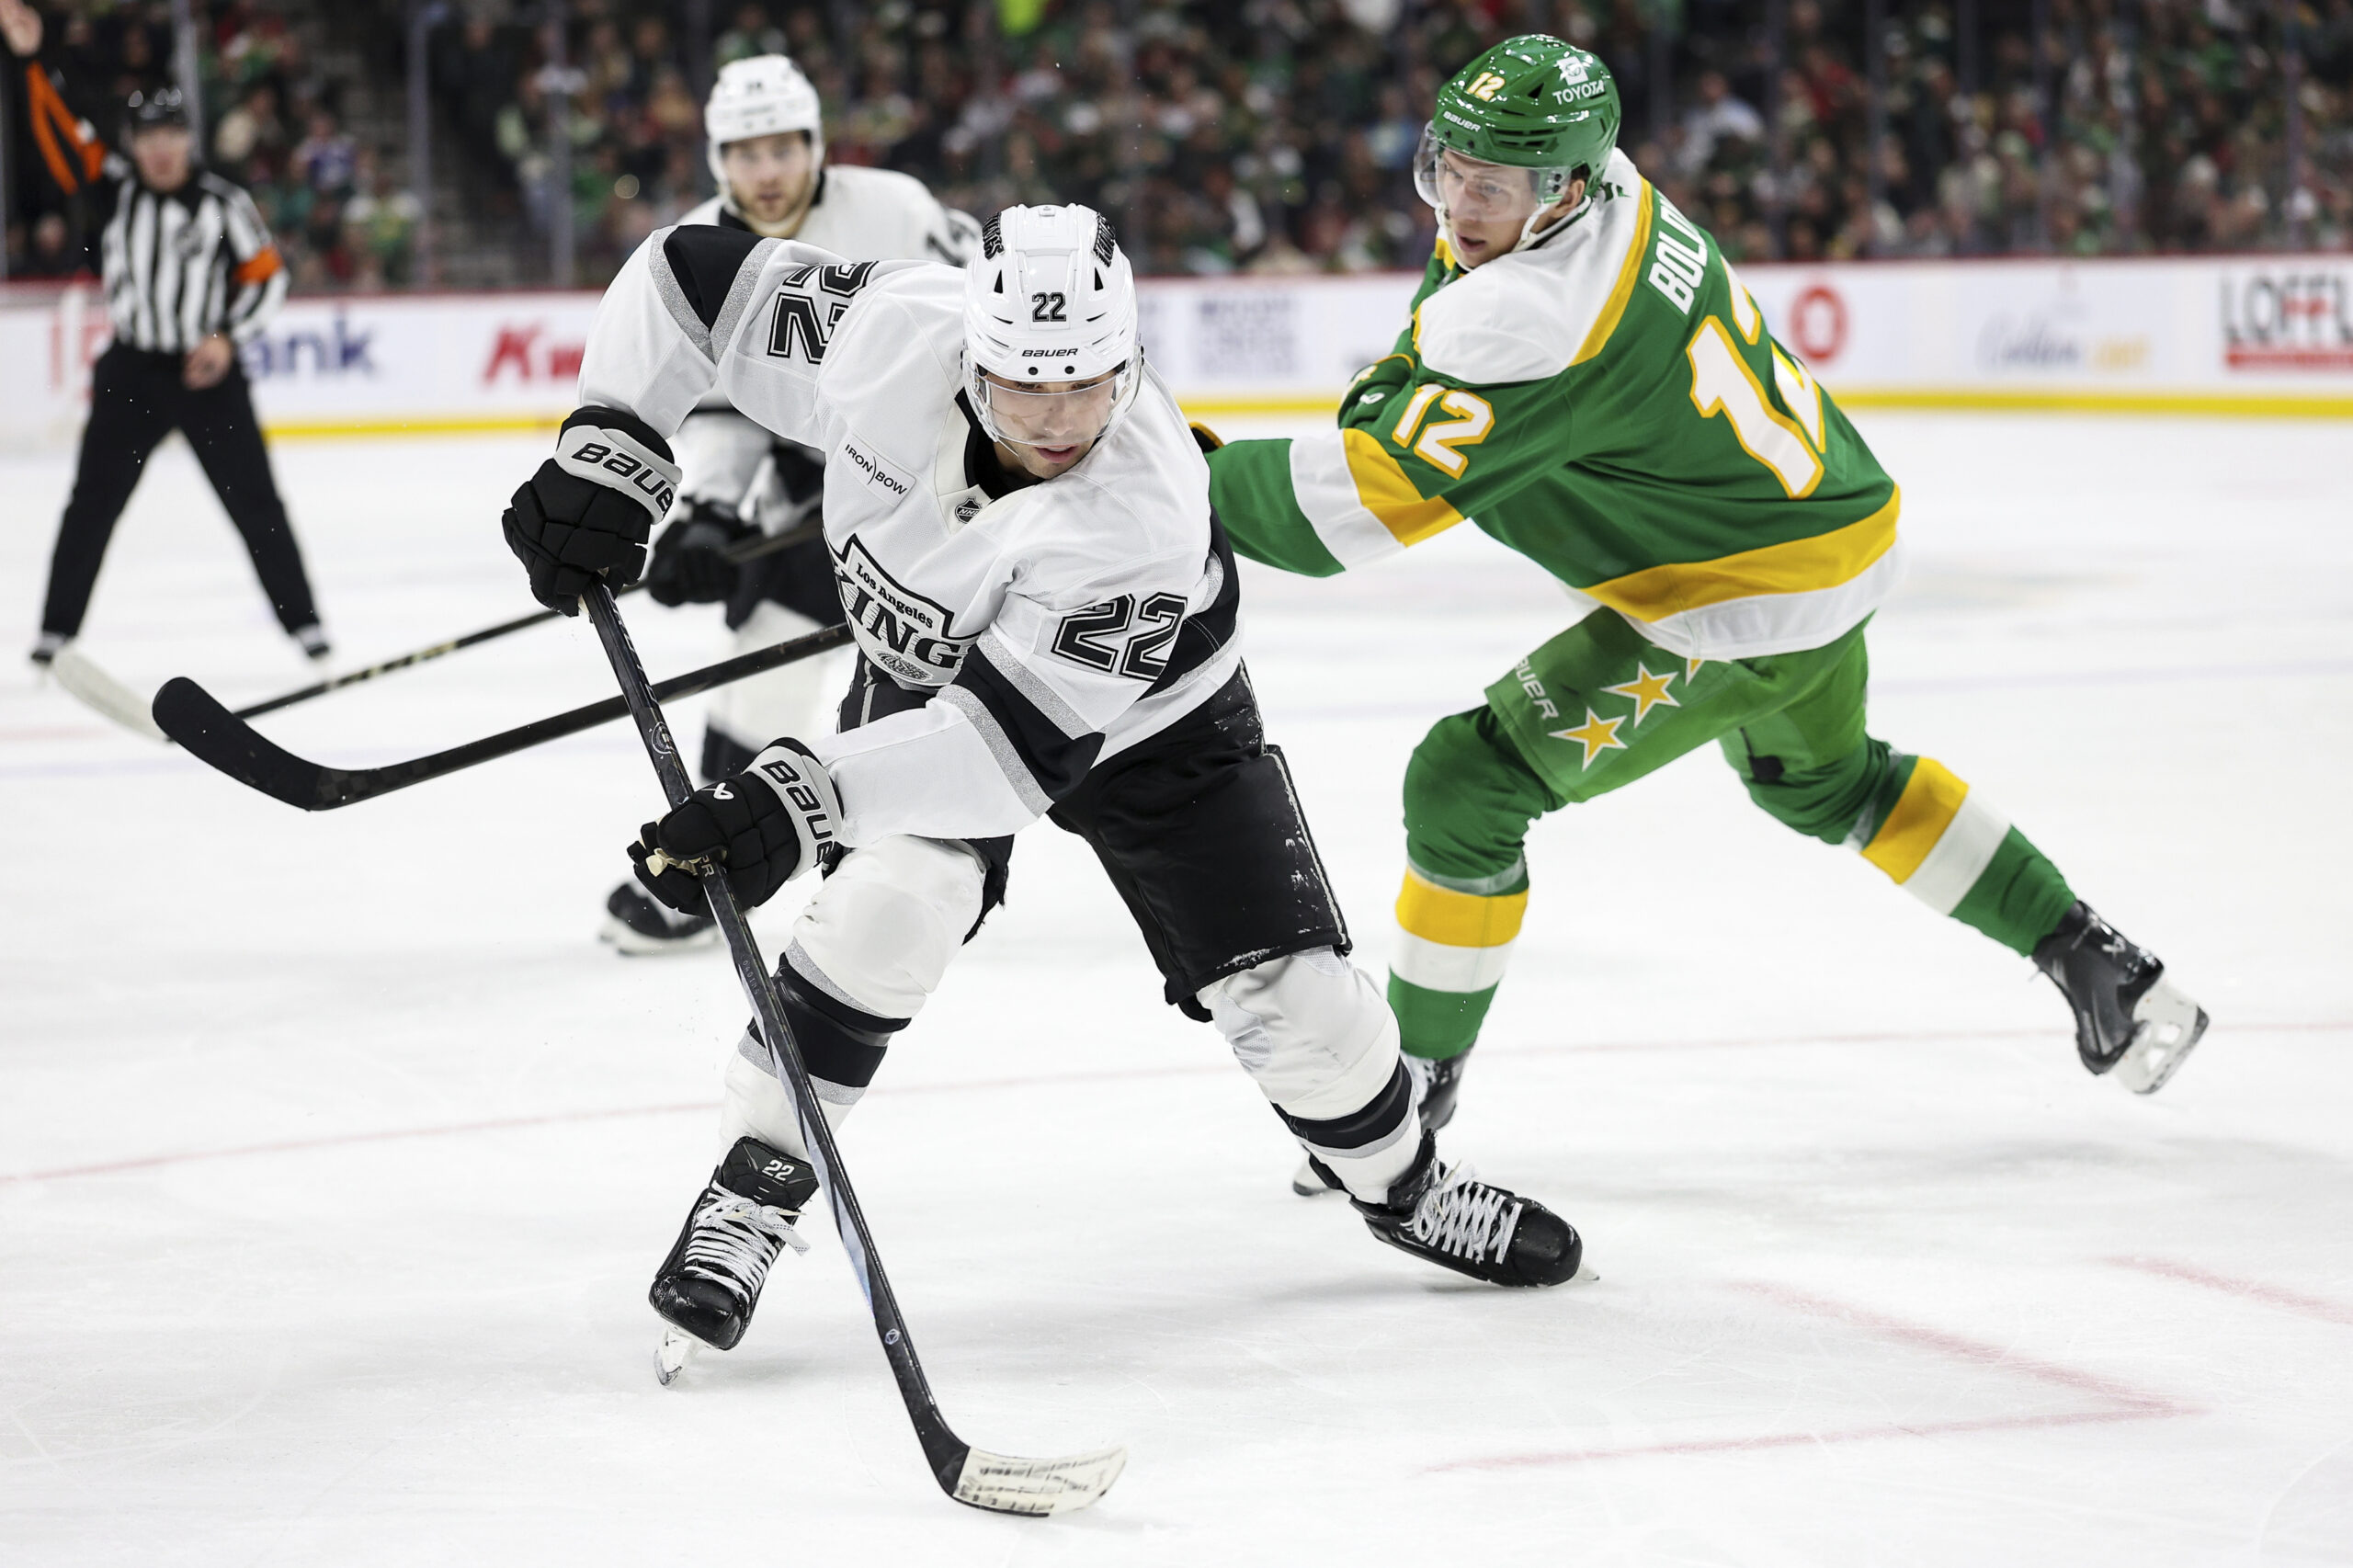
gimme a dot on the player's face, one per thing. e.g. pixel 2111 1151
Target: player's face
pixel 1488 205
pixel 770 176
pixel 1045 430
pixel 163 153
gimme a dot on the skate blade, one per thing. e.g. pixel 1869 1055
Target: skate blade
pixel 636 944
pixel 670 1358
pixel 2167 1025
pixel 1003 1484
pixel 1308 1184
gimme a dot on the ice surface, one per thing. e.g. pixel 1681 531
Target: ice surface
pixel 335 1155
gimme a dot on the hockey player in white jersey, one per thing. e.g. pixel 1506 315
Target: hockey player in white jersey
pixel 766 147
pixel 1046 612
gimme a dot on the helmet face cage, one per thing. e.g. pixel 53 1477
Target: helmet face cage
pixel 1483 191
pixel 1048 415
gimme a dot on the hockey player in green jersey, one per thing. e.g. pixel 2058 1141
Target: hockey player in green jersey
pixel 1588 382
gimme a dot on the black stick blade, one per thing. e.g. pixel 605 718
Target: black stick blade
pixel 208 731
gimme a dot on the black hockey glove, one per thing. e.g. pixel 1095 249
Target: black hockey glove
pixel 586 513
pixel 765 826
pixel 689 564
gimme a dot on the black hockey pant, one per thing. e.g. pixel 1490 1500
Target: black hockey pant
pixel 137 399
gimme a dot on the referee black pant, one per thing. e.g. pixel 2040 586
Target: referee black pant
pixel 137 399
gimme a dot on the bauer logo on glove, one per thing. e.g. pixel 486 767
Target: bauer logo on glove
pixel 762 827
pixel 585 515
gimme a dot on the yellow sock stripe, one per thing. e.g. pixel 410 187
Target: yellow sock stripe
pixel 1929 802
pixel 1459 919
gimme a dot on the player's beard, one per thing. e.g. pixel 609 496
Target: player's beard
pixel 782 228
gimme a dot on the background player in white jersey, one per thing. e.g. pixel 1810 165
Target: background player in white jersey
pixel 1046 612
pixel 767 146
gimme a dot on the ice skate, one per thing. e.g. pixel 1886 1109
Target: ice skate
pixel 1441 1084
pixel 639 925
pixel 2129 1024
pixel 1445 1214
pixel 711 1282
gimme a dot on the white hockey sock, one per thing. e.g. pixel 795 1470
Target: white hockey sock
pixel 1320 1040
pixel 757 1104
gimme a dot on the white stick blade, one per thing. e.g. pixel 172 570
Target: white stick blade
pixel 105 694
pixel 1007 1485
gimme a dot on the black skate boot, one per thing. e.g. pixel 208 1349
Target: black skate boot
pixel 709 1283
pixel 1441 1084
pixel 638 924
pixel 1441 1213
pixel 2129 1024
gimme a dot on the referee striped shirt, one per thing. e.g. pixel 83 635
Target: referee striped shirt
pixel 181 265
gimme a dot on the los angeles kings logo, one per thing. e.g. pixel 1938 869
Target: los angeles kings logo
pixel 900 630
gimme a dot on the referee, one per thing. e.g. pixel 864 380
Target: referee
pixel 190 274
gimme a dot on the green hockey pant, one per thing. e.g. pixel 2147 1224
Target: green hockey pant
pixel 1598 707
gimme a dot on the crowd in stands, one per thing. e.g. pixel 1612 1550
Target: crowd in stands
pixel 1277 135
pixel 271 121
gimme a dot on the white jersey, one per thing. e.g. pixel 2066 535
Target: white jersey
pixel 870 215
pixel 1057 623
pixel 860 213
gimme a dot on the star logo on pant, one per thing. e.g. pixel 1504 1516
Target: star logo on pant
pixel 1596 734
pixel 1647 693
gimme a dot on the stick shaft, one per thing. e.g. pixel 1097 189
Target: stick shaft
pixel 941 1447
pixel 749 551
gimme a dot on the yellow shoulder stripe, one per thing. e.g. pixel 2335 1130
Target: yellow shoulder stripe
pixel 1389 495
pixel 1931 799
pixel 1459 919
pixel 1802 565
pixel 1628 271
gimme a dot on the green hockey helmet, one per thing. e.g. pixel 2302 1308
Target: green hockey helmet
pixel 1532 102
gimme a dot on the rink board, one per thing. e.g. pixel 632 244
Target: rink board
pixel 2269 336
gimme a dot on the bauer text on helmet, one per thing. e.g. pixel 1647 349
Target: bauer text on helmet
pixel 1050 333
pixel 766 141
pixel 1514 140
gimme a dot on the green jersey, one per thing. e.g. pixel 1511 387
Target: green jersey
pixel 1608 403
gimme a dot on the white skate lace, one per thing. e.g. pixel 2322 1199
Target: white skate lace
pixel 1466 1217
pixel 735 1240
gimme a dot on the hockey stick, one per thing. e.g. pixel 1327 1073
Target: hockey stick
pixel 82 676
pixel 104 695
pixel 188 713
pixel 971 1475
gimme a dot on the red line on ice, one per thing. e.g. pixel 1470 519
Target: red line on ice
pixel 1801 1439
pixel 1963 1350
pixel 2126 1403
pixel 2252 1290
pixel 1049 1080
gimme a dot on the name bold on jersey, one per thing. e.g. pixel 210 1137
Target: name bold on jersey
pixel 1677 264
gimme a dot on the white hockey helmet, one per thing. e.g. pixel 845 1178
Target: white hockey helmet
pixel 761 96
pixel 1051 356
